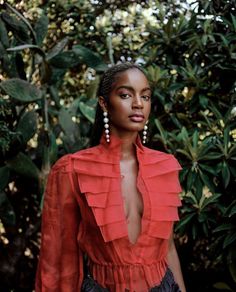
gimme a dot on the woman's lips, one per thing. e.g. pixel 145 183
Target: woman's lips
pixel 136 118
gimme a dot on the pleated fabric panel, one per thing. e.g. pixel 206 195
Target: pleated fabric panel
pixel 160 174
pixel 99 181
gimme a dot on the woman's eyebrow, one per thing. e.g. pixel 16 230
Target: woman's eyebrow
pixel 125 87
pixel 146 88
pixel 132 89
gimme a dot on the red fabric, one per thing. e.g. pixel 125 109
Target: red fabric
pixel 83 212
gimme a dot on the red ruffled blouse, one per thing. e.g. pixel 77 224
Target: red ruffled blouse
pixel 84 213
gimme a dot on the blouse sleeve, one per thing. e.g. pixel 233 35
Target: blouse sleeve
pixel 60 266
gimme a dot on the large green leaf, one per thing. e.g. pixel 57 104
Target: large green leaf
pixel 8 63
pixel 27 125
pixel 4 177
pixel 41 28
pixel 90 58
pixel 222 286
pixel 65 60
pixel 55 95
pixel 211 200
pixel 3 34
pixel 91 91
pixel 192 175
pixel 185 221
pixel 56 77
pixel 69 127
pixel 225 174
pixel 231 209
pixel 19 29
pixel 207 180
pixel 185 153
pixel 23 165
pixel 21 90
pixel 2 51
pixel 23 19
pixel 7 214
pixel 57 48
pixel 233 21
pixel 223 227
pixel 161 130
pixel 230 239
pixel 87 111
pixel 207 168
pixel 47 150
pixel 212 156
pixel 27 46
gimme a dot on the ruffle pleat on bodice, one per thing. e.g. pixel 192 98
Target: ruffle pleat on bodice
pixel 160 173
pixel 99 179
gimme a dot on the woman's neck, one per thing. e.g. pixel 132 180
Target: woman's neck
pixel 127 145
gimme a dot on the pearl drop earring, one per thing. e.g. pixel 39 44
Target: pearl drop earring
pixel 106 126
pixel 145 133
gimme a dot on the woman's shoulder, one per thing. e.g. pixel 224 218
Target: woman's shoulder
pixel 87 153
pixel 64 163
pixel 152 156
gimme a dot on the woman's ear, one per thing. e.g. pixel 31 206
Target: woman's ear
pixel 102 103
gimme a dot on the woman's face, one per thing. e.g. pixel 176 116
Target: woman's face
pixel 129 102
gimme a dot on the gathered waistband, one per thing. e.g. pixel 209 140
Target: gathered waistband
pixel 134 277
pixel 167 284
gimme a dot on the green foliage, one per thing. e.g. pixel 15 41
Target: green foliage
pixel 51 61
pixel 21 90
pixel 90 58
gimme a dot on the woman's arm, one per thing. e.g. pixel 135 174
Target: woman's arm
pixel 60 266
pixel 174 264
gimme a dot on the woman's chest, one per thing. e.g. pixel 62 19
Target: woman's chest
pixel 132 198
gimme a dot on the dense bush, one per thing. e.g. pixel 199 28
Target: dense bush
pixel 52 54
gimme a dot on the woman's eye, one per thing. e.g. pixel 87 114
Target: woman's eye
pixel 125 95
pixel 146 97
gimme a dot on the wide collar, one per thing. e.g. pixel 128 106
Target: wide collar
pixel 115 144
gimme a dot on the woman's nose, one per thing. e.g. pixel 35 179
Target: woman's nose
pixel 137 102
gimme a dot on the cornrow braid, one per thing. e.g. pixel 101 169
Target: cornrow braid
pixel 105 87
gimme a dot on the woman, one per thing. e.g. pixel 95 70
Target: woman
pixel 115 202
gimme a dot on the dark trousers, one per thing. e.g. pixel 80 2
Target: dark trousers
pixel 168 284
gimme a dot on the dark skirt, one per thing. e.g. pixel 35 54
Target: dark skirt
pixel 168 284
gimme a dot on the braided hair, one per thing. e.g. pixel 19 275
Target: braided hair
pixel 104 89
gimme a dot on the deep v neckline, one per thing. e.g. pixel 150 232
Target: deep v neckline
pixel 140 201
